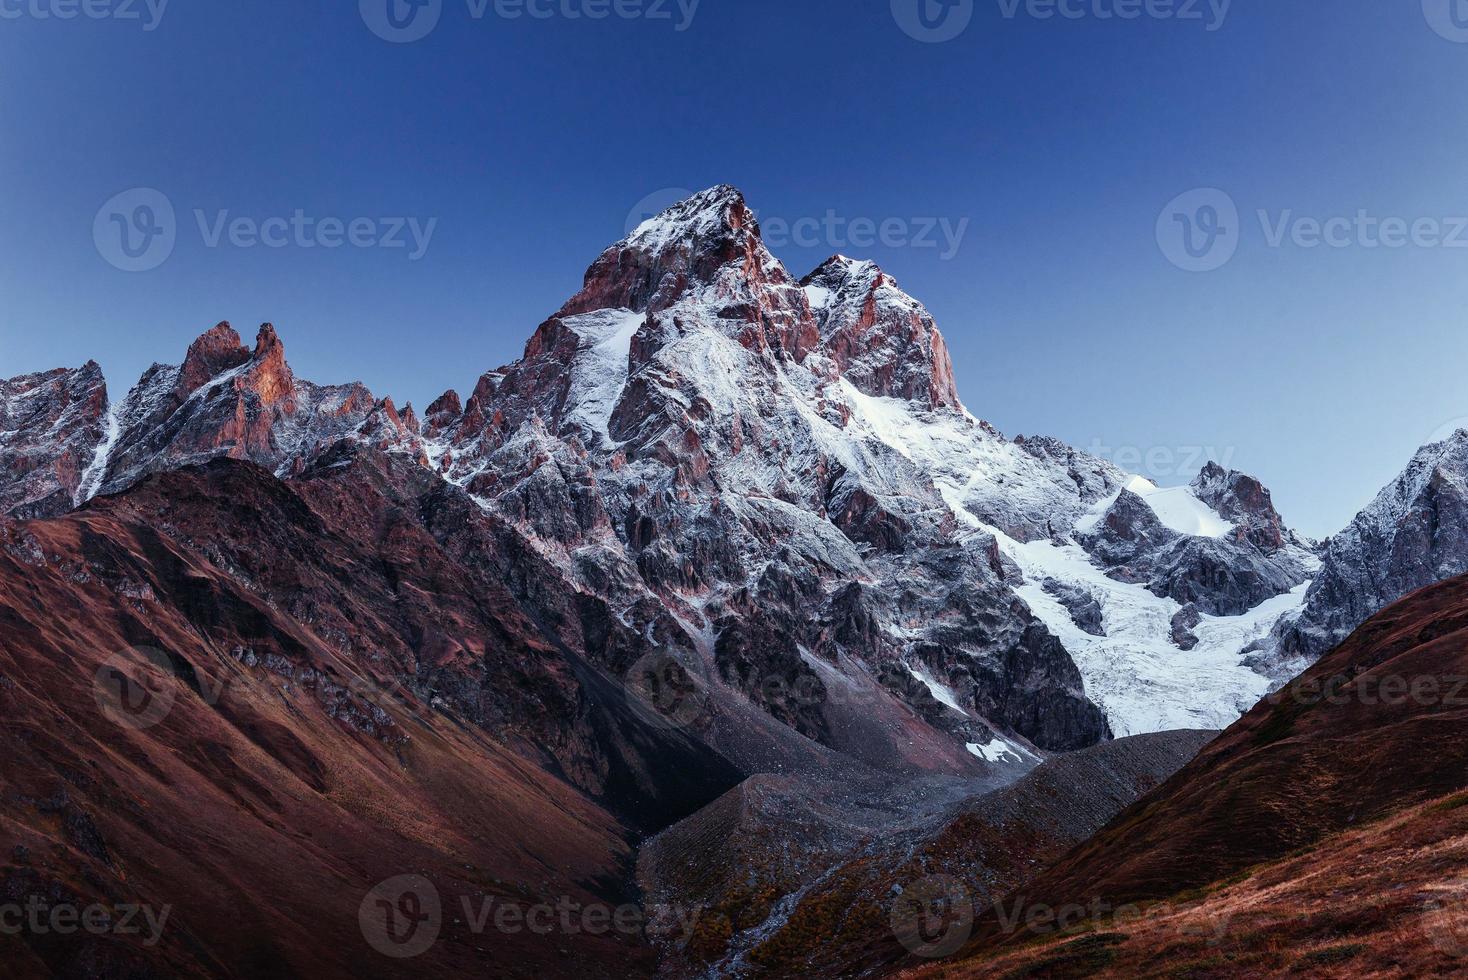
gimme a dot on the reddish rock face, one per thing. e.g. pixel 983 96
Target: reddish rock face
pixel 228 401
pixel 881 340
pixel 270 377
pixel 215 352
pixel 706 249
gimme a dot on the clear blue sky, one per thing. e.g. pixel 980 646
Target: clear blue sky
pixel 1059 140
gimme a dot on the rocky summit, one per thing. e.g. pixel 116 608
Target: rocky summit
pixel 775 476
pixel 722 556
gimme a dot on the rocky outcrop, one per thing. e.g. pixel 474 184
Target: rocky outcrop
pixel 1414 534
pixel 877 336
pixel 1183 624
pixel 1084 608
pixel 229 401
pixel 50 426
pixel 1223 575
pixel 1128 539
pixel 1242 499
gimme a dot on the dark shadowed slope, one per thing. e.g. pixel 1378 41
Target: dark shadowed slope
pixel 253 701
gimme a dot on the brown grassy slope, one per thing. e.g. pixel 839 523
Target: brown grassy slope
pixel 1379 726
pixel 292 772
pixel 1383 902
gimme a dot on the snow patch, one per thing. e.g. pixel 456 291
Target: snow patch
pixel 91 480
pixel 601 366
pixel 1176 507
pixel 1000 750
pixel 941 693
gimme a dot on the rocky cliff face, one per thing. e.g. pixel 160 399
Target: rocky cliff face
pixel 1247 558
pixel 711 437
pixel 1414 534
pixel 50 426
pixel 229 401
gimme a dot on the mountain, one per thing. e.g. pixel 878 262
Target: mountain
pixel 720 534
pixel 1322 834
pixel 1414 534
pixel 779 474
pixel 748 442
